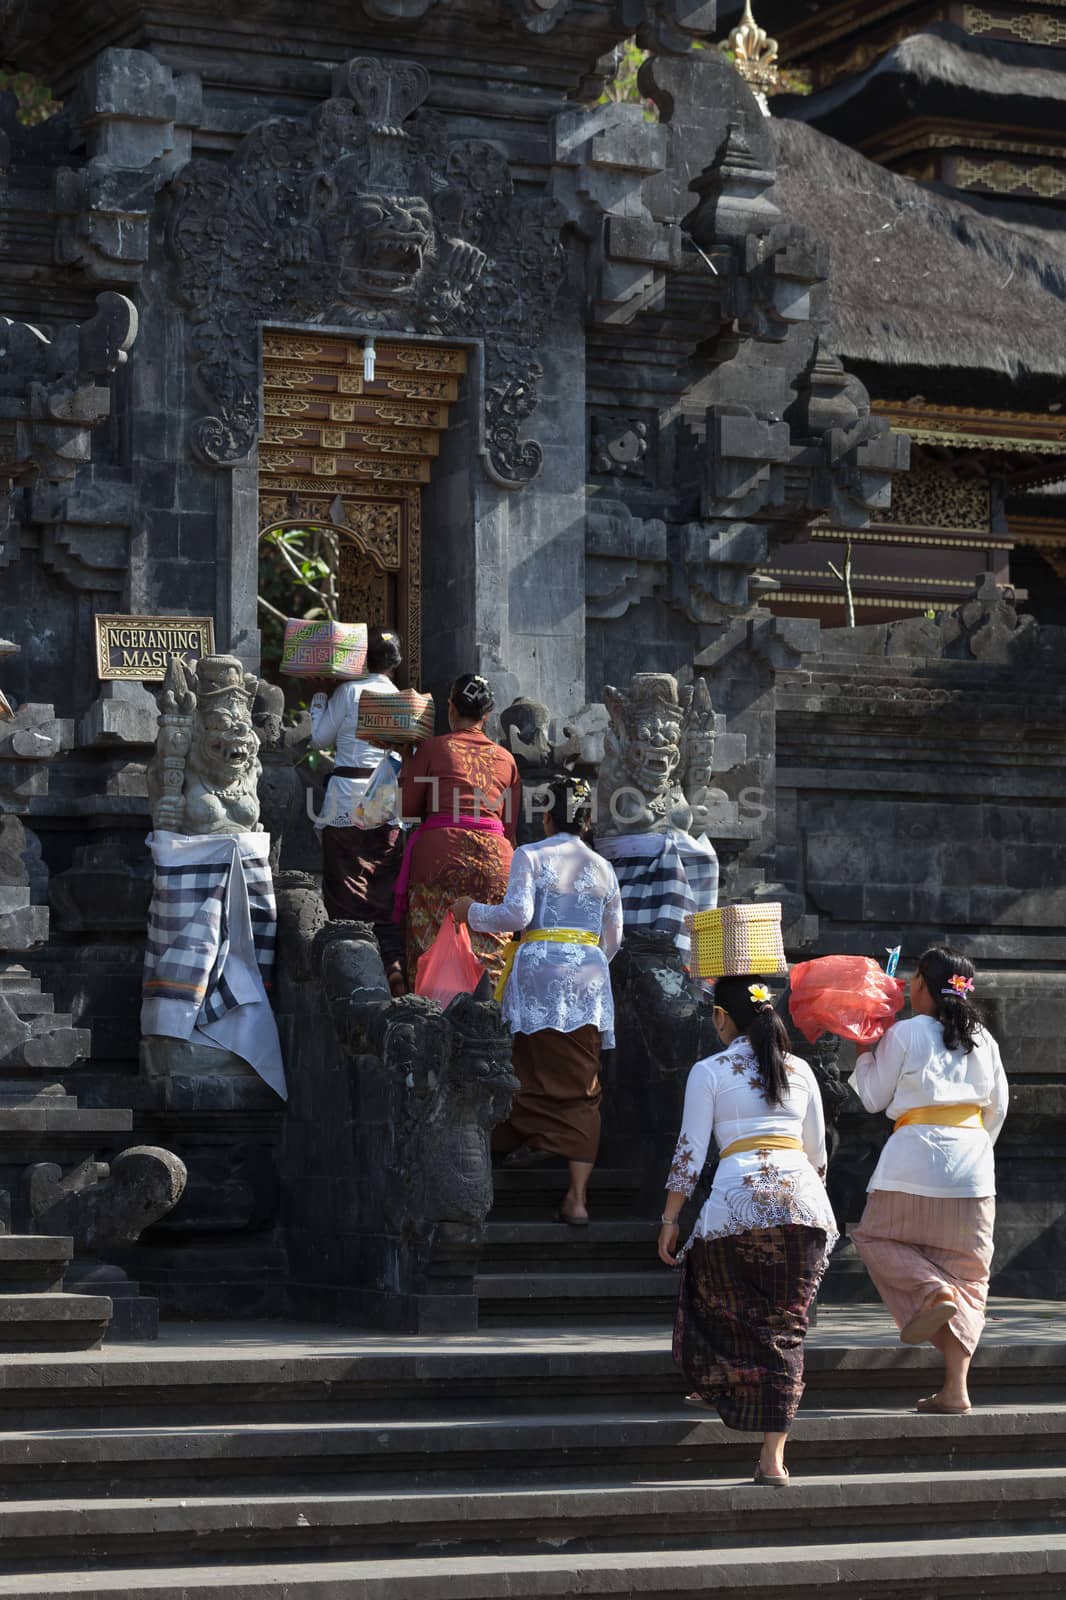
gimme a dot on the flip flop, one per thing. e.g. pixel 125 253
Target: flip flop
pixel 938 1408
pixel 928 1321
pixel 571 1222
pixel 697 1402
pixel 766 1481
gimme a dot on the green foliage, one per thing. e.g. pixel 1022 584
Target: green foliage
pixel 623 87
pixel 35 103
pixel 297 578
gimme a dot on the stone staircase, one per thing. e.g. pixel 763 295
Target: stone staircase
pixel 533 1268
pixel 241 1461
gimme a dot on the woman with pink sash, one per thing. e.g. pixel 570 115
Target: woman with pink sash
pixel 466 790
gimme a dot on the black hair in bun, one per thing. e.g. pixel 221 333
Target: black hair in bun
pixel 471 696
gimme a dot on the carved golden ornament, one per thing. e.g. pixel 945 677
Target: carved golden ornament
pixel 282 432
pixel 754 52
pixel 1031 27
pixel 285 377
pixel 421 358
pixel 332 438
pixel 342 411
pixel 324 466
pixel 859 578
pixel 968 427
pixel 1006 177
pixel 925 498
pixel 362 590
pixel 799 597
pixel 276 460
pixel 404 444
pixel 286 405
pixel 411 416
pixel 424 388
pixel 931 540
pixel 290 346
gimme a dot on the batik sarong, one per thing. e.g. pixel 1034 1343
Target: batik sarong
pixel 743 1308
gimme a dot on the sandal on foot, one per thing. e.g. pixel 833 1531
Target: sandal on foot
pixel 697 1402
pixel 527 1156
pixel 770 1480
pixel 938 1408
pixel 929 1320
pixel 571 1222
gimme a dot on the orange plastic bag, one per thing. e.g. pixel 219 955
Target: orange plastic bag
pixel 449 967
pixel 851 996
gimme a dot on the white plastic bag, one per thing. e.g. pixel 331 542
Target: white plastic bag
pixel 381 797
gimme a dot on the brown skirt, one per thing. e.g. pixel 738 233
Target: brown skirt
pixel 915 1244
pixel 557 1107
pixel 359 870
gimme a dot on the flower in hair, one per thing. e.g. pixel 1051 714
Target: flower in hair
pixel 582 790
pixel 958 985
pixel 760 994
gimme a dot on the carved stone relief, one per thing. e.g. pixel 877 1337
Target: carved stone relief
pixel 365 213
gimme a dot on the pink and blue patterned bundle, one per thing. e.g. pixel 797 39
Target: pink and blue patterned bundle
pixel 324 649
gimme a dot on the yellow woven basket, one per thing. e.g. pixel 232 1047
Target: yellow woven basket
pixel 736 940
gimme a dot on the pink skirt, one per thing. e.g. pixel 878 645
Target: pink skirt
pixel 913 1245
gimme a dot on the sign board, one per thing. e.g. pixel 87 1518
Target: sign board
pixel 141 647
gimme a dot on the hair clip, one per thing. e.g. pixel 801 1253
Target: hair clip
pixel 759 993
pixel 959 986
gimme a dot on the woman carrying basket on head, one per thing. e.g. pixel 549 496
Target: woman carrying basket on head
pixel 752 1267
pixel 926 1232
pixel 557 990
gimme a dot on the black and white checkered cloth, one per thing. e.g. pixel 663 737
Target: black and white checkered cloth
pixel 189 932
pixel 663 878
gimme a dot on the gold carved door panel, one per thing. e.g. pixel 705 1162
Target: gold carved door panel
pixel 340 451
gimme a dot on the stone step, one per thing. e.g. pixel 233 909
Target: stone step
pixel 534 1193
pixel 1014 1567
pixel 33 1263
pixel 627 1296
pixel 489 1520
pixel 552 1446
pixel 604 1246
pixel 66 1117
pixel 200 1376
pixel 52 1321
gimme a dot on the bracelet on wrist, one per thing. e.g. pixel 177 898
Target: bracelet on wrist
pixel 669 1222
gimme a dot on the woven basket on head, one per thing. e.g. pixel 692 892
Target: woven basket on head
pixel 402 717
pixel 736 940
pixel 324 649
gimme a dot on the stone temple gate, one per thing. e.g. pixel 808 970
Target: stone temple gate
pixel 561 376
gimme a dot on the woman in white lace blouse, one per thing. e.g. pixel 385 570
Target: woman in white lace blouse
pixel 752 1267
pixel 564 898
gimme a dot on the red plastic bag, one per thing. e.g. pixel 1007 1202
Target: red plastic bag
pixel 449 967
pixel 850 996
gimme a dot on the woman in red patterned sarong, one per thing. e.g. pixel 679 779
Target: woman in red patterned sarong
pixel 466 791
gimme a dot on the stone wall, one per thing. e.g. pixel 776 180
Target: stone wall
pixel 920 800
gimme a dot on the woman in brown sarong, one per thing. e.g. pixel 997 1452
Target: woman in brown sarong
pixel 752 1267
pixel 466 791
pixel 557 998
pixel 359 865
pixel 926 1234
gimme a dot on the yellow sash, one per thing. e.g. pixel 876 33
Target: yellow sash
pixel 762 1141
pixel 942 1116
pixel 536 936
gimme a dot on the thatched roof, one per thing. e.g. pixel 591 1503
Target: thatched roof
pixel 973 79
pixel 920 279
